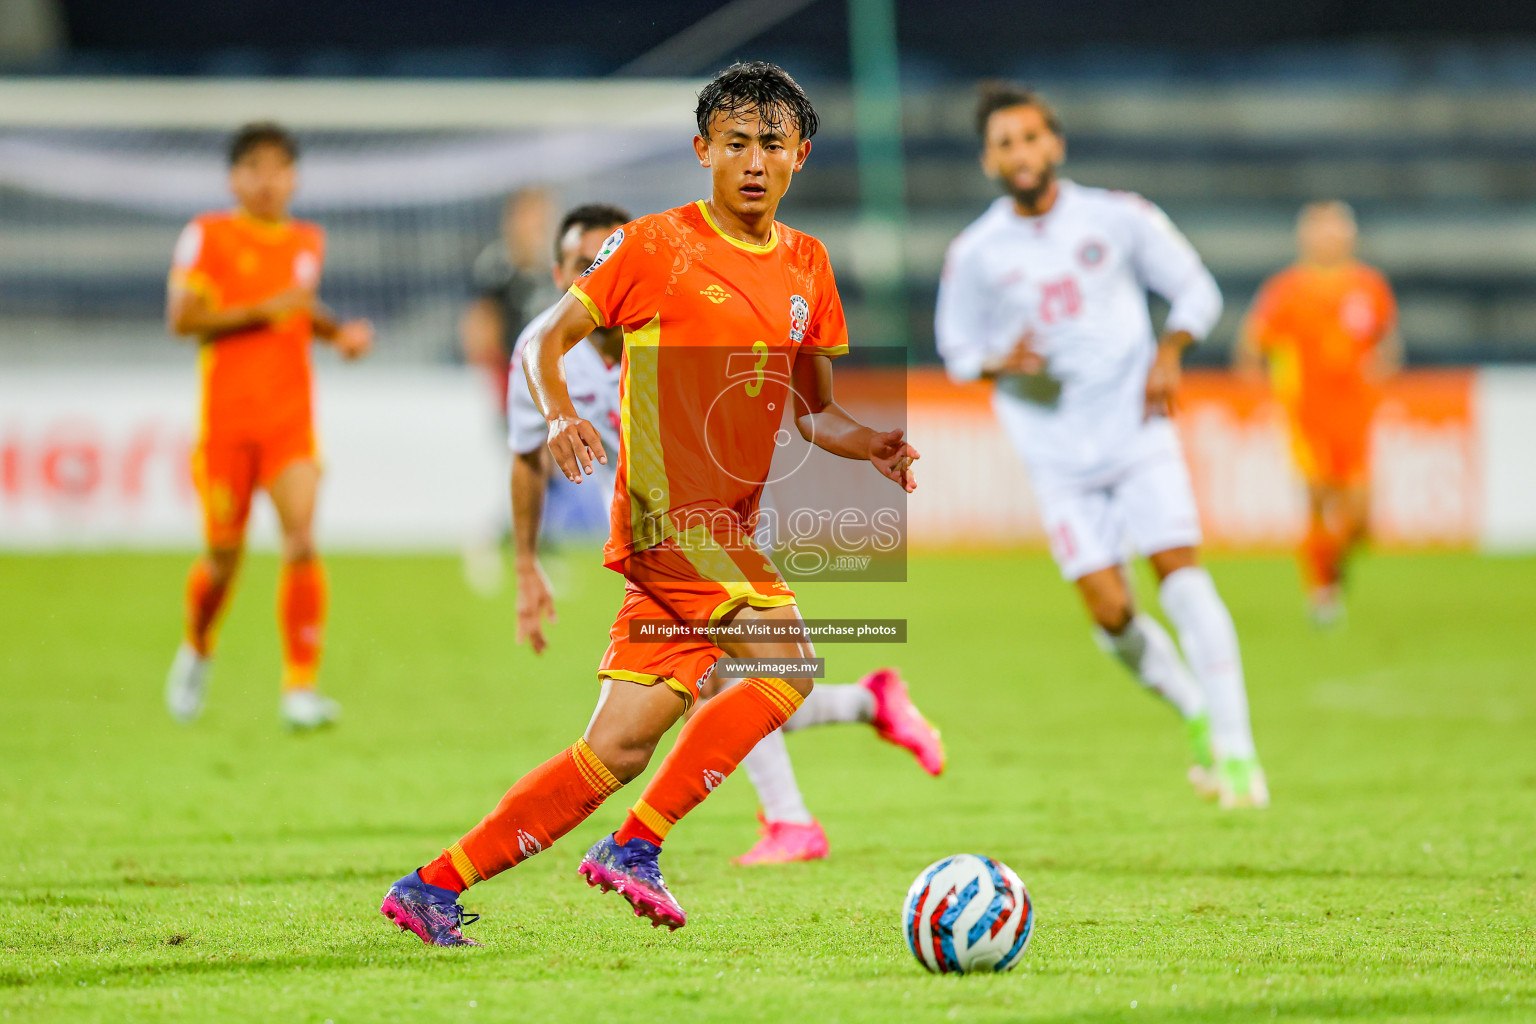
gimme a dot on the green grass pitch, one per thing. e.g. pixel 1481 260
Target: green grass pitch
pixel 231 872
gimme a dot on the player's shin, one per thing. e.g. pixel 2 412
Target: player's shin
pixel 1210 643
pixel 709 748
pixel 205 599
pixel 1145 648
pixel 773 776
pixel 833 704
pixel 301 606
pixel 544 805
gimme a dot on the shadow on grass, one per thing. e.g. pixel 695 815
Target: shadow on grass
pixel 1421 1005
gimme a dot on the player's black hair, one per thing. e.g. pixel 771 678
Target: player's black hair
pixel 261 133
pixel 589 216
pixel 756 86
pixel 998 95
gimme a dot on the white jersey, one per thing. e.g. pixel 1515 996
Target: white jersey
pixel 1075 280
pixel 594 388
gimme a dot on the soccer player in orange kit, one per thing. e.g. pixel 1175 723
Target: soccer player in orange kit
pixel 699 291
pixel 1328 325
pixel 243 283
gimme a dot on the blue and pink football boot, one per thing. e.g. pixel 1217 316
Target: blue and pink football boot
pixel 631 870
pixel 431 912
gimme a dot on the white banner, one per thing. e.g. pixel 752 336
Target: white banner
pixel 100 458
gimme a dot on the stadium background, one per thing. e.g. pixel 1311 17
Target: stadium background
pixel 230 871
pixel 417 120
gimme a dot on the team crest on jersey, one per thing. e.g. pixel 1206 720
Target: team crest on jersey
pixel 1091 253
pixel 609 248
pixel 799 317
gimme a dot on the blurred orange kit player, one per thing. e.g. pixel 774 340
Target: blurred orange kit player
pixel 243 283
pixel 1328 326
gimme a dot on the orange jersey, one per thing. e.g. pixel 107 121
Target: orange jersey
pixel 1320 327
pixel 256 380
pixel 712 326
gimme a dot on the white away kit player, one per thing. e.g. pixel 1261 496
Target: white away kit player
pixel 593 373
pixel 1046 295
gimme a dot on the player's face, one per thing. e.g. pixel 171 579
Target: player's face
pixel 263 182
pixel 1325 235
pixel 578 251
pixel 1021 152
pixel 751 163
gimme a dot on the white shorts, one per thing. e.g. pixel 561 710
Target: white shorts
pixel 1147 505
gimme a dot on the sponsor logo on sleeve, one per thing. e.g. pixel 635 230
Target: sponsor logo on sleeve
pixel 610 247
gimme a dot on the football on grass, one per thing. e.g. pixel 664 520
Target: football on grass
pixel 967 913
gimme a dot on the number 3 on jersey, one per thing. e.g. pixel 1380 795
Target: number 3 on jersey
pixel 755 385
pixel 1059 300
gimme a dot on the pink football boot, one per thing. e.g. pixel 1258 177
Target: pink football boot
pixel 898 721
pixel 784 842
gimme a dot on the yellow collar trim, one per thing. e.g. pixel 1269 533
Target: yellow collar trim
pixel 738 243
pixel 269 229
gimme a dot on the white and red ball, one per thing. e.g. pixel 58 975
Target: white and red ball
pixel 968 913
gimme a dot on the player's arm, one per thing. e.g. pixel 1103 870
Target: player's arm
pixel 535 598
pixel 573 441
pixel 1386 360
pixel 353 339
pixel 529 481
pixel 1167 264
pixel 189 313
pixel 1248 352
pixel 828 425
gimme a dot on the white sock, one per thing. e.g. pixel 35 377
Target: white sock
pixel 831 704
pixel 773 776
pixel 1145 648
pixel 1210 643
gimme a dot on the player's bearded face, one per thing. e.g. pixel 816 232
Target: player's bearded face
pixel 1022 153
pixel 751 160
pixel 263 182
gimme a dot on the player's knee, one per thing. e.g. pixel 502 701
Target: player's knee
pixel 627 760
pixel 222 564
pixel 802 685
pixel 1112 615
pixel 299 546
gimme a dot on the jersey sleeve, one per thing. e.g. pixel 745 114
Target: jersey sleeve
pixel 1167 264
pixel 827 331
pixel 624 285
pixel 960 320
pixel 193 261
pixel 310 261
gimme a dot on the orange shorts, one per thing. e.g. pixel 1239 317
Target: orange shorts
pixel 700 576
pixel 228 469
pixel 1338 456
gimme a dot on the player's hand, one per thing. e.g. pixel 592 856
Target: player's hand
pixel 354 339
pixel 286 303
pixel 1021 359
pixel 575 444
pixel 893 457
pixel 535 603
pixel 1164 380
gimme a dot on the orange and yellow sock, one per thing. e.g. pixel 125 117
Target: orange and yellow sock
pixel 301 600
pixel 711 745
pixel 544 805
pixel 1321 554
pixel 205 602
